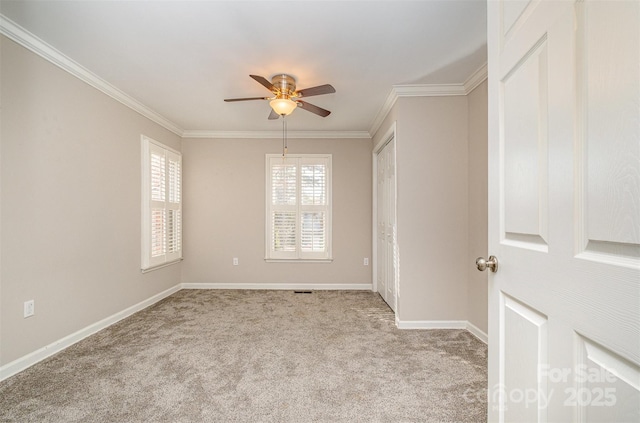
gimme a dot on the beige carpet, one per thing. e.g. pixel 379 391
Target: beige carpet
pixel 257 356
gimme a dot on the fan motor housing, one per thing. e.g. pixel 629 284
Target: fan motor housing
pixel 286 84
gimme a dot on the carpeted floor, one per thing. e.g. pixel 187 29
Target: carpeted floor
pixel 257 356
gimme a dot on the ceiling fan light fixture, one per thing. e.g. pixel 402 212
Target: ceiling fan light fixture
pixel 285 96
pixel 283 106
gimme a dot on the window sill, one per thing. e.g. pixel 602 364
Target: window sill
pixel 160 266
pixel 329 260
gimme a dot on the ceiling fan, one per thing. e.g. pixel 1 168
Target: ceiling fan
pixel 285 97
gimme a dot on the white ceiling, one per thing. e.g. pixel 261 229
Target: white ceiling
pixel 182 58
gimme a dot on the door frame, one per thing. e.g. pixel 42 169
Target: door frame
pixel 389 135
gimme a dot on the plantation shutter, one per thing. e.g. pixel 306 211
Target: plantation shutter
pixel 158 199
pixel 174 209
pixel 298 207
pixel 283 212
pixel 313 184
pixel 161 205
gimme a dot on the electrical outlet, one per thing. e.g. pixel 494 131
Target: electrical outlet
pixel 29 308
pixel 235 261
pixel 366 261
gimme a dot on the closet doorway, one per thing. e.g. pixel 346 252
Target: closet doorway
pixel 386 264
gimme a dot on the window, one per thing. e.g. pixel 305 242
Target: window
pixel 161 205
pixel 298 212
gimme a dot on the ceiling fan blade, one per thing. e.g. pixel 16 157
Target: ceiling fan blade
pixel 246 98
pixel 313 109
pixel 273 115
pixel 320 89
pixel 262 80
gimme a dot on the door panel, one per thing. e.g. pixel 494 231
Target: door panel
pixel 524 98
pixel 564 210
pixel 609 130
pixel 604 379
pixel 525 350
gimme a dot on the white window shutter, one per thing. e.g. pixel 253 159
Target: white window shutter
pixel 313 184
pixel 173 232
pixel 283 184
pixel 175 176
pixel 158 225
pixel 313 232
pixel 298 207
pixel 174 207
pixel 284 231
pixel 158 176
pixel 161 204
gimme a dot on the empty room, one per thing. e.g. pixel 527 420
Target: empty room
pixel 320 211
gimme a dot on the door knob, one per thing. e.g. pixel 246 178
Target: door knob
pixel 483 264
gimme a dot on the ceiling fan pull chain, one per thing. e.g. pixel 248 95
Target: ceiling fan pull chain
pixel 284 140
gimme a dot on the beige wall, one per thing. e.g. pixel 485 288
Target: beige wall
pixel 70 218
pixel 478 196
pixel 224 206
pixel 431 158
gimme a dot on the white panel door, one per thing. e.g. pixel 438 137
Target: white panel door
pixel 381 225
pixel 391 254
pixel 564 210
pixel 386 225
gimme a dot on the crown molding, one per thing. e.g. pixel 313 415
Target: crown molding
pixel 383 112
pixel 476 78
pixel 29 41
pixel 427 90
pixel 276 134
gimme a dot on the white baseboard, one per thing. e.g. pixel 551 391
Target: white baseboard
pixel 432 324
pixel 475 331
pixel 30 359
pixel 443 324
pixel 280 286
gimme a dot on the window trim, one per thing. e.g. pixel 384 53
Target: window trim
pixel 298 256
pixel 149 263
